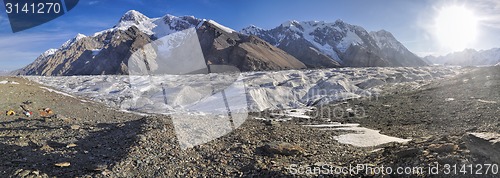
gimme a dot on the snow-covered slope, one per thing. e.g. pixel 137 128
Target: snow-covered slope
pixel 340 41
pixel 468 57
pixel 158 27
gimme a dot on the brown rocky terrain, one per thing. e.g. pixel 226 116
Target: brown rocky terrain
pixel 247 53
pixel 88 139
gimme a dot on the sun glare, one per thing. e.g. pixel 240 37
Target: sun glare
pixel 456 27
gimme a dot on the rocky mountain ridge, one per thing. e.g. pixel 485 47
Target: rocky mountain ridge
pixel 108 51
pixel 292 45
pixel 340 42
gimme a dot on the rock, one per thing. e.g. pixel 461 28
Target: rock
pixel 410 152
pixel 485 144
pixel 142 138
pixel 24 173
pixel 444 148
pixel 63 118
pixel 351 112
pixel 75 127
pixel 99 167
pixel 63 164
pixel 271 123
pixel 106 172
pixel 322 165
pixel 46 148
pixel 449 160
pixel 282 148
pixel 247 53
pixel 71 145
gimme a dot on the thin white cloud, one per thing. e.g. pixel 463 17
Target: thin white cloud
pixel 488 11
pixel 2 19
pixel 18 50
pixel 93 2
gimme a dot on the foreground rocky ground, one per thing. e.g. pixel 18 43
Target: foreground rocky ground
pixel 82 138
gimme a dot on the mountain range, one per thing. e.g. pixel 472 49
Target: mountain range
pixel 321 44
pixel 291 45
pixel 468 57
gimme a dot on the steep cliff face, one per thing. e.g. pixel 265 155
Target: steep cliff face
pixel 248 53
pixel 106 53
pixel 361 57
pixel 395 52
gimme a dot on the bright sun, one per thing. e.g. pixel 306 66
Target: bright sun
pixel 456 27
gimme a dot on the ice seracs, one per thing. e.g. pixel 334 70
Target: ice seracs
pixel 290 89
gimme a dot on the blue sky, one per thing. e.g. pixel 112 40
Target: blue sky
pixel 410 21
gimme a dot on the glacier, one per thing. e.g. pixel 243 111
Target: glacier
pixel 263 90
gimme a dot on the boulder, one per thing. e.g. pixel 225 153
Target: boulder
pixel 282 148
pixel 486 144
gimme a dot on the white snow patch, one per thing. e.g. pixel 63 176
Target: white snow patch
pixel 351 38
pixel 95 52
pixel 332 125
pixel 58 92
pixel 486 101
pixel 8 82
pixel 365 137
pixel 49 52
pixel 222 27
pixel 274 119
pixel 295 113
pixel 362 137
pixel 450 99
pixel 72 41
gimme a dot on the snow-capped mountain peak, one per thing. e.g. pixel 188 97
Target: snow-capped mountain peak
pixel 328 38
pixel 334 40
pixel 385 39
pixel 158 27
pixel 169 24
pixel 70 42
pixel 251 30
pixel 134 16
pixel 108 51
pixel 49 52
pixel 290 23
